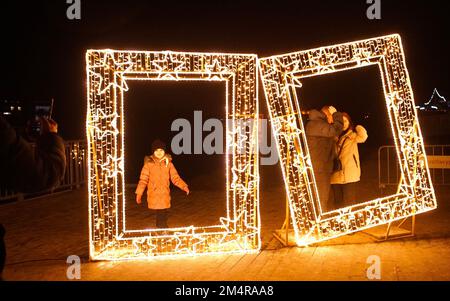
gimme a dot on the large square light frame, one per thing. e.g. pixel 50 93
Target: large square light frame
pixel 107 74
pixel 281 76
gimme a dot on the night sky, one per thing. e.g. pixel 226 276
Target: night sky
pixel 44 53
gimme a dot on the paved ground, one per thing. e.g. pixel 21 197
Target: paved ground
pixel 43 232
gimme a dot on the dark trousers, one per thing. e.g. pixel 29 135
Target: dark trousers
pixel 2 249
pixel 161 218
pixel 323 186
pixel 344 194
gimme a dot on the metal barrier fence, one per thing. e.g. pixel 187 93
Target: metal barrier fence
pixel 74 177
pixel 389 171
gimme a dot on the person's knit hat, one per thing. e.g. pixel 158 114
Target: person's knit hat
pixel 158 144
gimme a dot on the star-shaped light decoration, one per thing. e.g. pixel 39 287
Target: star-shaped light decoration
pixel 215 70
pixel 112 167
pixel 144 246
pixel 362 55
pixel 118 69
pixel 233 235
pixel 295 82
pixel 186 232
pixel 323 61
pixel 198 240
pixel 111 123
pixel 394 100
pixel 168 67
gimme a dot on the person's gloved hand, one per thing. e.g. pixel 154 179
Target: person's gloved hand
pixel 332 110
pixel 48 126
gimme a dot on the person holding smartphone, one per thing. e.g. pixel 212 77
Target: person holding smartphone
pixel 24 168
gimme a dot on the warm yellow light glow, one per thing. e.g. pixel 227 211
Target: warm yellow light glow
pixel 282 73
pixel 108 72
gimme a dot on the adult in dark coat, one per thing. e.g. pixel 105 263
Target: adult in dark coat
pixel 322 130
pixel 27 169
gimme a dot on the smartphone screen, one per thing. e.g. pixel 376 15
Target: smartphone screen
pixel 41 110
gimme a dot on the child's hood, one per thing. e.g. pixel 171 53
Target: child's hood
pixel 152 159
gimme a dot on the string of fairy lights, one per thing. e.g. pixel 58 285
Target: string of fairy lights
pixel 239 231
pixel 108 72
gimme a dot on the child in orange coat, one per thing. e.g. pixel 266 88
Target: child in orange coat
pixel 156 174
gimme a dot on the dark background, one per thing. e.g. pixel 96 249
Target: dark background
pixel 152 106
pixel 43 57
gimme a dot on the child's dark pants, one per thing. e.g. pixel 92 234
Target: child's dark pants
pixel 161 218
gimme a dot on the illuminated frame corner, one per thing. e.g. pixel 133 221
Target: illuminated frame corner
pixel 281 74
pixel 107 73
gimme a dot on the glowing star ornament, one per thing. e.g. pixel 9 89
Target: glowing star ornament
pixel 215 70
pixel 362 55
pixel 107 74
pixel 415 192
pixel 168 66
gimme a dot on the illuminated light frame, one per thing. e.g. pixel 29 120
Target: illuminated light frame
pixel 107 73
pixel 281 74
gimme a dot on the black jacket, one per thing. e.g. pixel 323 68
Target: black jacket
pixel 25 169
pixel 321 138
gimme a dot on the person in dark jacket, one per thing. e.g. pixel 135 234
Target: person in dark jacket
pixel 322 130
pixel 24 168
